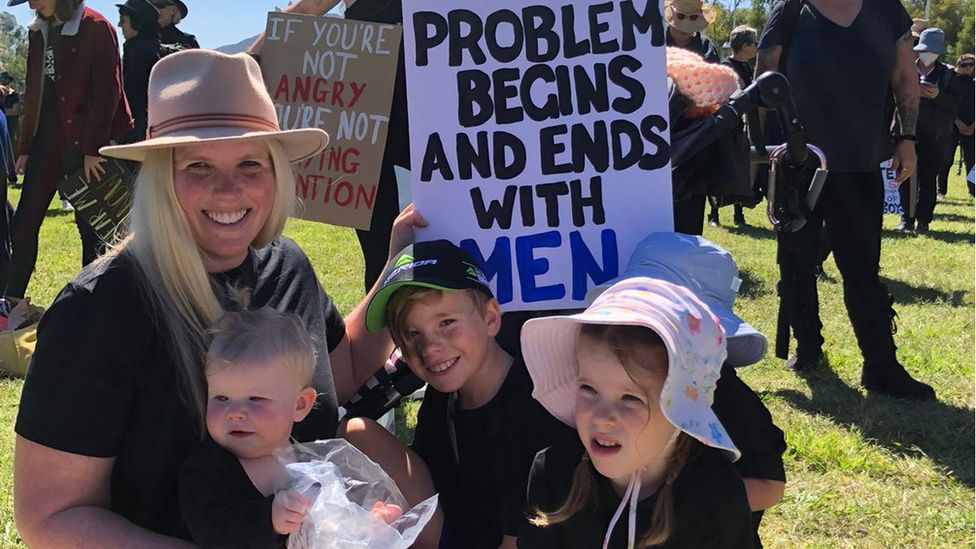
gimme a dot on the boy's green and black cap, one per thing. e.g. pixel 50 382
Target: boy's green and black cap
pixel 438 264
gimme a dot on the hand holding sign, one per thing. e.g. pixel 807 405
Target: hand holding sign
pixel 549 156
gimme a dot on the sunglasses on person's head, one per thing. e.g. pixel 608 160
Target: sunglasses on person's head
pixel 966 65
pixel 690 16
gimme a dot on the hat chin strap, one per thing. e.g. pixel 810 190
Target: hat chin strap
pixel 630 499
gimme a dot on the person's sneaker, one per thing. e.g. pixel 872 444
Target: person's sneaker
pixel 922 228
pixel 66 206
pixel 905 225
pixel 897 383
pixel 713 221
pixel 797 364
pixel 941 196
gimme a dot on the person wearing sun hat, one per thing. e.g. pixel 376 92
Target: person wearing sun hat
pixel 710 272
pixel 478 428
pixel 634 374
pixel 114 399
pixel 686 20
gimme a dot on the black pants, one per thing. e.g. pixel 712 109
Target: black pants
pixel 689 215
pixel 942 183
pixel 850 209
pixel 46 166
pixel 931 155
pixel 375 243
pixel 714 207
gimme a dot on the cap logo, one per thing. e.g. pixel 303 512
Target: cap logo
pixel 402 260
pixel 477 274
pixel 410 264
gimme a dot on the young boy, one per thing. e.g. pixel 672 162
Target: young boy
pixel 259 383
pixel 478 428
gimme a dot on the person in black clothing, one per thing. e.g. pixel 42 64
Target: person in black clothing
pixel 173 39
pixel 744 41
pixel 870 44
pixel 634 374
pixel 138 20
pixel 259 371
pixel 116 392
pixel 963 125
pixel 937 111
pixel 686 20
pixel 478 428
pixel 11 105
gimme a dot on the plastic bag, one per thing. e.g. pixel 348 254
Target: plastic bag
pixel 345 514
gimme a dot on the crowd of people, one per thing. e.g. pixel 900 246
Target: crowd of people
pixel 158 425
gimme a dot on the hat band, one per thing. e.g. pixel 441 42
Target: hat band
pixel 212 120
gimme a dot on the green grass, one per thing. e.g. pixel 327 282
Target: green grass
pixel 863 471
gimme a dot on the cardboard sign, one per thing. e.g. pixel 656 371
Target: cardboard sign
pixel 892 201
pixel 335 74
pixel 105 202
pixel 539 138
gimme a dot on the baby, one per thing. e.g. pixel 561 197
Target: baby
pixel 259 370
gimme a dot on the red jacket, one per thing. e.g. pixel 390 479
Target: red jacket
pixel 88 78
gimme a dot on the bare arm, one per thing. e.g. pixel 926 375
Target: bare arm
pixel 904 82
pixel 361 353
pixel 763 493
pixel 63 499
pixel 767 59
pixel 302 7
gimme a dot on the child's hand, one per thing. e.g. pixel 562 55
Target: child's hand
pixel 389 512
pixel 288 510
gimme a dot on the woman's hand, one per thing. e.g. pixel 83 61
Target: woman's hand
pixel 21 163
pixel 403 227
pixel 93 167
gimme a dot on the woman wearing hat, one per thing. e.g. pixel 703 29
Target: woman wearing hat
pixel 73 105
pixel 115 396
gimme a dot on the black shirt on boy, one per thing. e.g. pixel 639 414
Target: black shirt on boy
pixel 482 489
pixel 220 505
pixel 711 510
pixel 102 381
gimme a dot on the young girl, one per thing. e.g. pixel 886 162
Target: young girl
pixel 634 374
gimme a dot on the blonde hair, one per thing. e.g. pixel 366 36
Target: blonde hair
pixel 263 335
pixel 180 293
pixel 630 344
pixel 403 301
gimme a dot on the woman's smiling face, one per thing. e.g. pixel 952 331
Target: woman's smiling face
pixel 226 191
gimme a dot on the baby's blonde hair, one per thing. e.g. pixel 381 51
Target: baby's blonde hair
pixel 263 335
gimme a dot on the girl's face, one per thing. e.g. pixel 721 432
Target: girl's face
pixel 226 191
pixel 619 420
pixel 44 7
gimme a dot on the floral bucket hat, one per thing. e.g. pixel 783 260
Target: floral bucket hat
pixel 692 334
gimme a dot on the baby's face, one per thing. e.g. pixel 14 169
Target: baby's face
pixel 251 407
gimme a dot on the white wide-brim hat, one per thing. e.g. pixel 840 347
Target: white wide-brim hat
pixel 198 96
pixel 692 335
pixel 710 272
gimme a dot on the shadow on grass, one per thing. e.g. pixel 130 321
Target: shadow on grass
pixel 950 237
pixel 753 232
pixel 753 287
pixel 59 213
pixel 907 294
pixel 942 432
pixel 953 217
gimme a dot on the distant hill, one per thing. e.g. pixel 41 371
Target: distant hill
pixel 238 47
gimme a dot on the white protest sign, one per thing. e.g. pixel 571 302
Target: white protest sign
pixel 892 201
pixel 539 138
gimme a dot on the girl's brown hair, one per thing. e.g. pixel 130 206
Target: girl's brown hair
pixel 64 10
pixel 631 345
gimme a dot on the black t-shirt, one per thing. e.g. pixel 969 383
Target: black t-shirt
pixel 102 381
pixel 710 505
pixel 742 69
pixel 483 492
pixel 698 43
pixel 220 505
pixel 839 78
pixel 936 117
pixel 967 101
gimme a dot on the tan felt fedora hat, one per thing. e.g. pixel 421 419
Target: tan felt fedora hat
pixel 204 95
pixel 689 16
